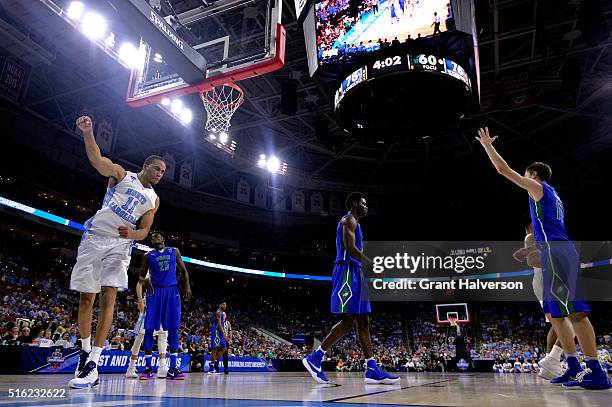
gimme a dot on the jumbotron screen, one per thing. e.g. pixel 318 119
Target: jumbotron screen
pixel 346 28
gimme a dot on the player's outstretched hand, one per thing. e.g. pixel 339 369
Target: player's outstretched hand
pixel 84 124
pixel 485 138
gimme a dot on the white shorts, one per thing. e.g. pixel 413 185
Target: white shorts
pixel 538 286
pixel 102 261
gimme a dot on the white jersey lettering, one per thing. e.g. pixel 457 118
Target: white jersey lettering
pixel 123 205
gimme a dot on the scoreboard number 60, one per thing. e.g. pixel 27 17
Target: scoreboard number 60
pixel 428 60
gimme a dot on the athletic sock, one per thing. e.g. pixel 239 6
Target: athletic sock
pixel 94 356
pixel 148 361
pixel 86 344
pixel 555 352
pixel 173 357
pixel 132 362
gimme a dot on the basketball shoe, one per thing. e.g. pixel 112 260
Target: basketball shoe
pixel 147 374
pixel 591 378
pixel 312 363
pixel 82 361
pixel 175 374
pixel 573 369
pixel 87 377
pixel 162 370
pixel 131 373
pixel 549 368
pixel 374 375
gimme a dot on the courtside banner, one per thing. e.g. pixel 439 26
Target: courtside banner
pixel 238 364
pixel 449 271
pixel 59 360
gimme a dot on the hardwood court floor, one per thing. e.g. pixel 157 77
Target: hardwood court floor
pixel 296 389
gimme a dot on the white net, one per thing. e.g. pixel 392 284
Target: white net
pixel 220 103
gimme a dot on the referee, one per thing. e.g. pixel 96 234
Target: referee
pixel 227 326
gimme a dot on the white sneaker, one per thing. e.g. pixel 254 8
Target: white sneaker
pixel 549 368
pixel 87 378
pixel 162 371
pixel 131 373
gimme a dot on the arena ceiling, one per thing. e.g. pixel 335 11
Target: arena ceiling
pixel 569 117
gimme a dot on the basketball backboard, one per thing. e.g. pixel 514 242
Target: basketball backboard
pixel 233 39
pixel 457 311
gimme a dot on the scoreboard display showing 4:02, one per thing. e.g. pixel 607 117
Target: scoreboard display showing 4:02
pixel 392 63
pixel 424 62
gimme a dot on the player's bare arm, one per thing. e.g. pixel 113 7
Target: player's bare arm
pixel 348 238
pixel 146 221
pixel 533 187
pixel 144 282
pixel 220 326
pixel 102 164
pixel 183 275
pixel 141 305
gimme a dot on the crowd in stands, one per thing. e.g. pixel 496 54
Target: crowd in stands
pixel 240 248
pixel 37 308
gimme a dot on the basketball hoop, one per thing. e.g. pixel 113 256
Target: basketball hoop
pixel 452 321
pixel 220 103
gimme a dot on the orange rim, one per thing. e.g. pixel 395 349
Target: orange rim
pixel 207 100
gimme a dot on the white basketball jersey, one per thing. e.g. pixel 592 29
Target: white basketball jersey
pixel 123 205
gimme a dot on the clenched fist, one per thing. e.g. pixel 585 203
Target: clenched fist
pixel 84 124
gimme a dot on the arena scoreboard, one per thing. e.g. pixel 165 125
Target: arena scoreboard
pixel 399 64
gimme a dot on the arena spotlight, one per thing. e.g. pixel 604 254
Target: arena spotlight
pixel 223 142
pixel 129 55
pixel 75 10
pixel 186 116
pixel 158 58
pixel 94 26
pixel 177 106
pixel 223 137
pixel 165 102
pixel 110 40
pixel 272 164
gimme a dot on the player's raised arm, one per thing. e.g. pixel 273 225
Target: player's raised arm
pixel 533 187
pixel 348 238
pixel 183 275
pixel 146 221
pixel 102 164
